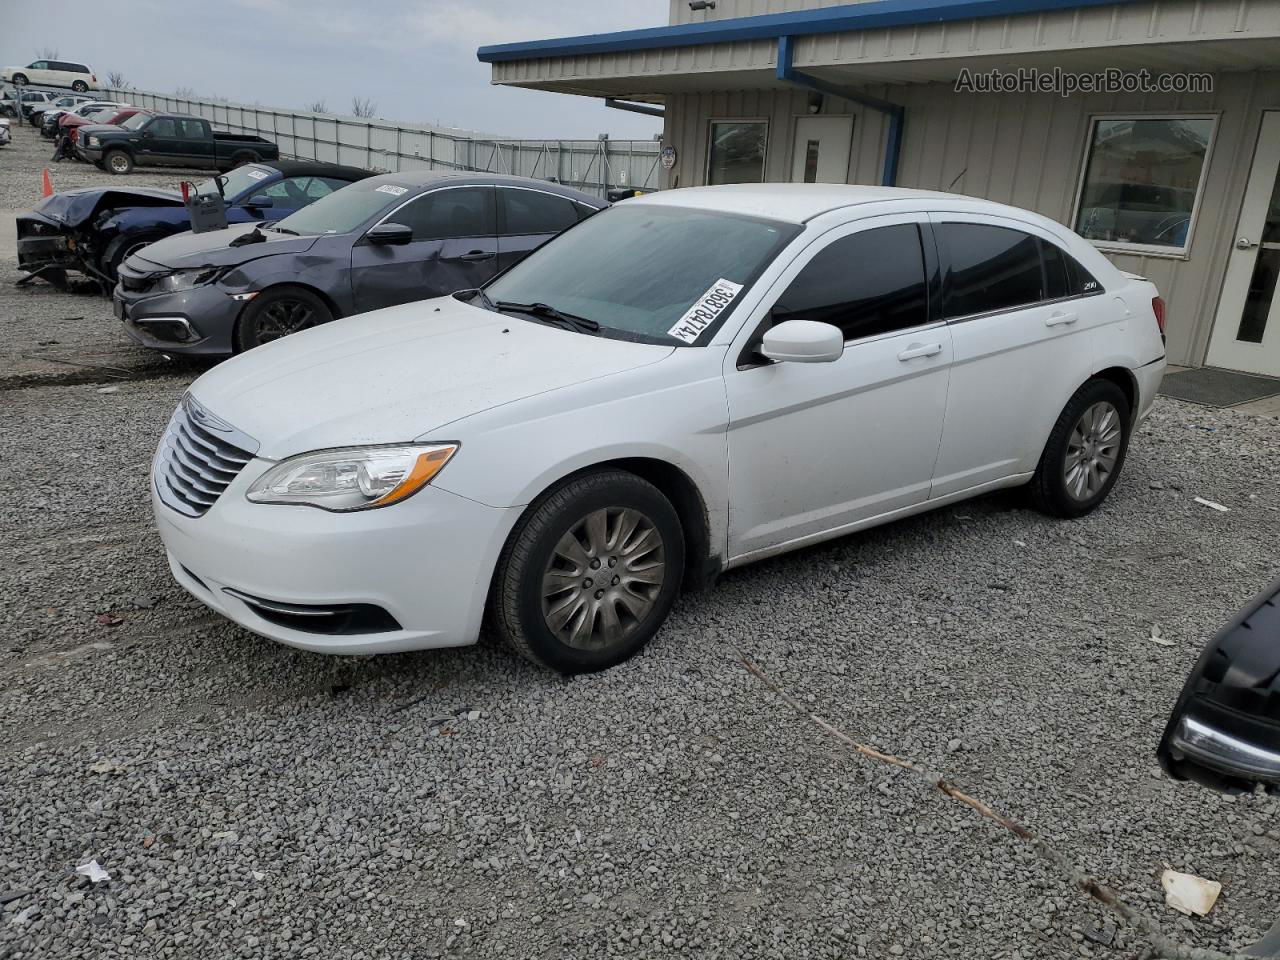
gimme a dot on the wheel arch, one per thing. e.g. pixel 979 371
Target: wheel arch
pixel 1123 378
pixel 701 566
pixel 278 284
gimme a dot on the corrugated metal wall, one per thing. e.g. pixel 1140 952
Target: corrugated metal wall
pixel 592 165
pixel 1022 150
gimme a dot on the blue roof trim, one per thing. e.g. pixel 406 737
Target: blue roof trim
pixel 855 16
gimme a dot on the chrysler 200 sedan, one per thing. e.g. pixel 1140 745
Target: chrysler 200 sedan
pixel 681 384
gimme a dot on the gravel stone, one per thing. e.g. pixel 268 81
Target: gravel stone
pixel 263 802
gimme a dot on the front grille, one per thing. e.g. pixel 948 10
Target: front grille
pixel 136 281
pixel 199 455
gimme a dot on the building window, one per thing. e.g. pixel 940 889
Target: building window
pixel 1142 182
pixel 737 151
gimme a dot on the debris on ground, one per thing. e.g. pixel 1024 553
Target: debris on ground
pixel 93 870
pixel 1189 894
pixel 1157 636
pixel 1212 505
pixel 1103 935
pixel 106 766
pixel 109 620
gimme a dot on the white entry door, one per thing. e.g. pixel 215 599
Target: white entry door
pixel 1246 332
pixel 821 151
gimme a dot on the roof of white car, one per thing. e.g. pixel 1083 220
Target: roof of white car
pixel 798 202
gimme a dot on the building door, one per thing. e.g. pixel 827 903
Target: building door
pixel 1246 332
pixel 821 150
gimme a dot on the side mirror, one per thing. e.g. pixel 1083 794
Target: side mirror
pixel 1224 732
pixel 148 134
pixel 260 201
pixel 390 234
pixel 803 341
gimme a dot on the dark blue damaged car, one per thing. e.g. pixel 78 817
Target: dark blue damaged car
pixel 387 240
pixel 95 229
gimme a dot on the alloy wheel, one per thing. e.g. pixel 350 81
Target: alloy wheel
pixel 283 317
pixel 603 578
pixel 1092 451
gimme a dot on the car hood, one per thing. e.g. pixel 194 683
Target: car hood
pixel 214 249
pixel 402 373
pixel 71 208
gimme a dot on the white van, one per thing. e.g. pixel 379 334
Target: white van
pixel 53 73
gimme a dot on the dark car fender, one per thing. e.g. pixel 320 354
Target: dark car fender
pixel 313 272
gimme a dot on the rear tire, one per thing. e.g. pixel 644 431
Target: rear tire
pixel 1085 451
pixel 590 573
pixel 80 86
pixel 118 162
pixel 278 312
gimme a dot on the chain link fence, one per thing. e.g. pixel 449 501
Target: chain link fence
pixel 594 166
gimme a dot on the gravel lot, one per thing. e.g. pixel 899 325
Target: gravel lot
pixel 248 800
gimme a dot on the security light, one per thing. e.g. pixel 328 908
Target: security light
pixel 702 4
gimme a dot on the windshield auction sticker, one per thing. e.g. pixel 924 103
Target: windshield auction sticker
pixel 703 313
pixel 392 189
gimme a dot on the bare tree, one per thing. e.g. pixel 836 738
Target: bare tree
pixel 316 106
pixel 116 80
pixel 184 93
pixel 47 53
pixel 363 107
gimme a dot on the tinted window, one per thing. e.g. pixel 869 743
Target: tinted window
pixel 191 130
pixel 584 210
pixel 445 214
pixel 866 283
pixel 162 127
pixel 992 268
pixel 528 211
pixel 1057 280
pixel 1081 279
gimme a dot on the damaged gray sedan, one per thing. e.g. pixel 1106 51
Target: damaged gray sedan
pixel 387 240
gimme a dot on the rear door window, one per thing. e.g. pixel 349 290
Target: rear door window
pixel 868 283
pixel 532 212
pixel 991 268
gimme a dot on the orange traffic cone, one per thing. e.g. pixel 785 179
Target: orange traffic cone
pixel 47 189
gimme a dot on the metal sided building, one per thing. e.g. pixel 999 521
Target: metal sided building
pixel 1179 186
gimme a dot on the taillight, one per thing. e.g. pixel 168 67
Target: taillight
pixel 1157 307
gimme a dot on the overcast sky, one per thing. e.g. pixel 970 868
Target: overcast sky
pixel 416 59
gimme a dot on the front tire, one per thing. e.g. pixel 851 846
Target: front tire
pixel 1085 452
pixel 590 573
pixel 279 312
pixel 118 162
pixel 20 79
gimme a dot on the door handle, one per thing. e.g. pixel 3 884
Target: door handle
pixel 920 350
pixel 1244 243
pixel 477 255
pixel 1061 319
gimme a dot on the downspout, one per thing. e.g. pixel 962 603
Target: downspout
pixel 646 109
pixel 787 73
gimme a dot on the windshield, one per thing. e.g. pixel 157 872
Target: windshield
pixel 137 120
pixel 345 209
pixel 661 274
pixel 237 181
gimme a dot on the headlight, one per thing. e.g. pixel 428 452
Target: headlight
pixel 186 279
pixel 352 478
pixel 92 141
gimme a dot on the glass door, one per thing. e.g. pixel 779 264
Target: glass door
pixel 1246 332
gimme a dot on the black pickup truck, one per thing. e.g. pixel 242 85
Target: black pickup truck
pixel 176 140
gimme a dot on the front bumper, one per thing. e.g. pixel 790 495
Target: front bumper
pixel 426 562
pixel 42 243
pixel 200 321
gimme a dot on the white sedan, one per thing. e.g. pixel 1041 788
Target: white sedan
pixel 679 385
